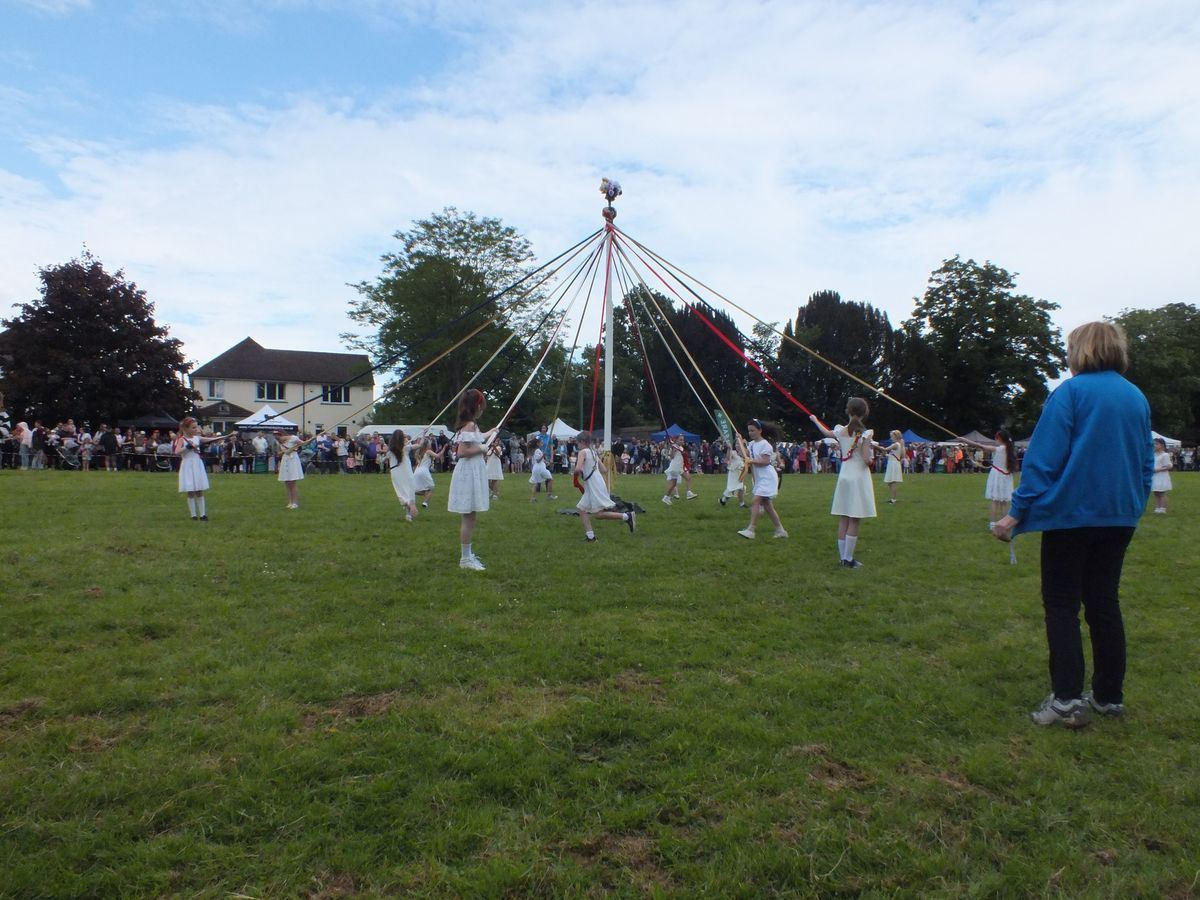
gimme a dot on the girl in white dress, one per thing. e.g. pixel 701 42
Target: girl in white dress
pixel 854 496
pixel 760 456
pixel 999 488
pixel 677 471
pixel 423 473
pixel 291 468
pixel 401 470
pixel 735 468
pixel 1161 483
pixel 495 472
pixel 595 502
pixel 468 484
pixel 193 480
pixel 894 474
pixel 540 472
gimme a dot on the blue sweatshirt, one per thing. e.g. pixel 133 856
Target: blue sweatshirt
pixel 1090 460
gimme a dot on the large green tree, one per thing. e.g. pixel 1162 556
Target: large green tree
pixel 89 349
pixel 1164 361
pixel 997 348
pixel 853 335
pixel 435 290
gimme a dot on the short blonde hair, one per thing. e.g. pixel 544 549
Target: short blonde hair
pixel 1096 347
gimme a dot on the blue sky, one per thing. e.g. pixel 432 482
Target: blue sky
pixel 244 161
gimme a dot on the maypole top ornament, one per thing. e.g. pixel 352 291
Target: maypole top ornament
pixel 611 190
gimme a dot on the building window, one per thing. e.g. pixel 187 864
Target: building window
pixel 271 390
pixel 216 389
pixel 335 393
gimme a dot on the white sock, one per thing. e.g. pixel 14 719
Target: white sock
pixel 466 551
pixel 841 548
pixel 192 506
pixel 200 504
pixel 850 542
pixel 591 535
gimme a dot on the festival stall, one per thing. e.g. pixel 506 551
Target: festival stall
pixel 266 419
pixel 675 431
pixel 1172 443
pixel 560 431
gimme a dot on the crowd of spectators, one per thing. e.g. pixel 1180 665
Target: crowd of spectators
pixel 66 446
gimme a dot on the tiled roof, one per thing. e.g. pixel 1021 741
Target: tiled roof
pixel 250 361
pixel 221 409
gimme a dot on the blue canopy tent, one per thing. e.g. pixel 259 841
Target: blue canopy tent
pixel 911 437
pixel 675 431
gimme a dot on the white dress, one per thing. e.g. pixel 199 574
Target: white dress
pixel 422 476
pixel 540 472
pixel 895 471
pixel 495 469
pixel 733 478
pixel 290 467
pixel 595 492
pixel 854 495
pixel 192 476
pixel 766 479
pixel 999 481
pixel 401 471
pixel 675 468
pixel 468 483
pixel 1162 480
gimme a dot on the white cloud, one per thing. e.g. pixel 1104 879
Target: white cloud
pixel 771 149
pixel 54 7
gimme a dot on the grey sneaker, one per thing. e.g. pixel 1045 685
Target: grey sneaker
pixel 1113 710
pixel 1070 713
pixel 471 562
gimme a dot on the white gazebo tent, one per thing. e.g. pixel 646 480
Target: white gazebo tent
pixel 560 430
pixel 1172 443
pixel 266 419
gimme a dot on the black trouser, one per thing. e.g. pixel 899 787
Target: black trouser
pixel 1083 565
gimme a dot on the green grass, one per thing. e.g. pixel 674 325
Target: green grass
pixel 320 703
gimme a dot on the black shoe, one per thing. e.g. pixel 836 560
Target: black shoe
pixel 195 518
pixel 590 540
pixel 629 520
pixel 851 564
pixel 723 499
pixel 204 518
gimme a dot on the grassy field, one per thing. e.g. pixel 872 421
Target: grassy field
pixel 321 703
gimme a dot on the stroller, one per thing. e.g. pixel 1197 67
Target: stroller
pixel 68 456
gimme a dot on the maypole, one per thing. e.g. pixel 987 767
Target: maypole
pixel 611 191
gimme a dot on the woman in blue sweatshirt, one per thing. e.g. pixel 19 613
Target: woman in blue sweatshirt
pixel 1084 485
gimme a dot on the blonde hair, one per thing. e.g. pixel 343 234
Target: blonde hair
pixel 1097 347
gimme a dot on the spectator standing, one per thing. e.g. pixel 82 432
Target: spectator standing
pixel 1085 480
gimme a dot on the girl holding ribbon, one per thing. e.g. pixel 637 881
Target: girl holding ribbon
pixel 759 454
pixel 854 496
pixel 999 487
pixel 589 478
